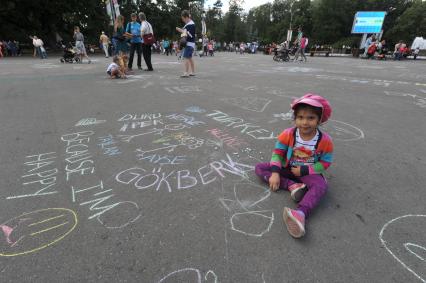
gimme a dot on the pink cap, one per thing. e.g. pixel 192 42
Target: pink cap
pixel 315 100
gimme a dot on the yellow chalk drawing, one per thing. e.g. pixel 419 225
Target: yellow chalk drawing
pixel 36 226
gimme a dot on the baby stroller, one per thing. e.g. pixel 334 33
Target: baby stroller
pixel 281 55
pixel 71 54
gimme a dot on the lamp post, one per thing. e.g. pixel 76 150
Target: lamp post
pixel 290 30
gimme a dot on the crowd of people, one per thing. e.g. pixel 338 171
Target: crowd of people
pixel 374 48
pixel 138 36
pixel 10 48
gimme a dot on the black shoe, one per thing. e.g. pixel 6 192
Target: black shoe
pixel 139 68
pixel 129 69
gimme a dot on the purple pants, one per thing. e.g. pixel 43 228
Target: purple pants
pixel 317 185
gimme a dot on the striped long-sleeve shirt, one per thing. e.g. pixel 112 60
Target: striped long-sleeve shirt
pixel 281 156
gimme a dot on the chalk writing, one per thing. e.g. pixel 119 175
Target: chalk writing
pixel 99 200
pixel 108 146
pixel 162 159
pixel 89 122
pixel 41 175
pixel 138 117
pixel 195 109
pixel 77 156
pixel 249 129
pixel 140 124
pixel 391 239
pixel 143 179
pixel 417 99
pixel 36 230
pixel 189 120
pixel 183 89
pixel 255 104
pixel 183 139
pixel 227 139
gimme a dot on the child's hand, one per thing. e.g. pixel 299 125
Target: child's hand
pixel 296 171
pixel 274 181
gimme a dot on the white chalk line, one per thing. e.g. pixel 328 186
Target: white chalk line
pixel 397 259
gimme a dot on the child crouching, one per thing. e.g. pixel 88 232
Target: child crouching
pixel 114 70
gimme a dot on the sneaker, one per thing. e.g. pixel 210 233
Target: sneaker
pixel 295 222
pixel 297 191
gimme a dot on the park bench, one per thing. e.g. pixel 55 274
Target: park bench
pixel 320 51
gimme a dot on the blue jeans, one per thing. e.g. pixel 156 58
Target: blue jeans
pixel 187 52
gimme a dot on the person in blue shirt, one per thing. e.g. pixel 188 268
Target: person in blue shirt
pixel 188 31
pixel 134 28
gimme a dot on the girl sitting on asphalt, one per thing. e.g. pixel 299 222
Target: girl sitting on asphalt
pixel 302 153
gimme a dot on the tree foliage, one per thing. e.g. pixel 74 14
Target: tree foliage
pixel 324 21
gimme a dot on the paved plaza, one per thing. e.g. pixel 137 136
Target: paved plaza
pixel 150 179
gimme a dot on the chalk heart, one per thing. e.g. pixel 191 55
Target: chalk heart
pixel 36 230
pixel 250 195
pixel 404 238
pixel 189 275
pixel 343 131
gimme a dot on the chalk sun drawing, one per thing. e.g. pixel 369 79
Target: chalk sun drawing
pixel 416 252
pixel 36 230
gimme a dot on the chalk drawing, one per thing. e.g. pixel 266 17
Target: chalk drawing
pixel 107 220
pixel 188 275
pixel 418 100
pixel 342 131
pixel 45 66
pixel 36 230
pixel 250 222
pixel 183 89
pixel 283 116
pixel 417 261
pixel 89 122
pixel 255 104
pixel 280 93
pixel 244 221
pixel 195 109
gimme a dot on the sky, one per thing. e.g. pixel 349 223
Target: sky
pixel 248 4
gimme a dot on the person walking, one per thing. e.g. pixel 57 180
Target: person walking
pixel 301 50
pixel 79 44
pixel 368 43
pixel 188 32
pixel 134 28
pixel 104 40
pixel 148 39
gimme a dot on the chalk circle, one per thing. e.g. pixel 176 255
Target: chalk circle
pixel 36 230
pixel 252 223
pixel 116 220
pixel 188 275
pixel 408 244
pixel 341 131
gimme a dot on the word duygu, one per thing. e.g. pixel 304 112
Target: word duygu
pixel 78 158
pixel 41 175
pixel 182 179
pixel 249 129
